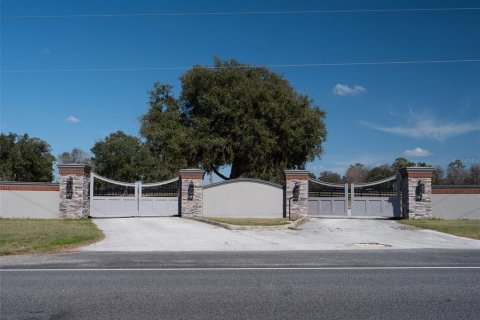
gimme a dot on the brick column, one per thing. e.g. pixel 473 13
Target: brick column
pixel 300 207
pixel 78 206
pixel 417 200
pixel 193 207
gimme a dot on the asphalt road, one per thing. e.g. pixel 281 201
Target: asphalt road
pixel 378 284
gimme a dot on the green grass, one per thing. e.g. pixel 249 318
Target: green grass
pixel 37 235
pixel 250 221
pixel 461 228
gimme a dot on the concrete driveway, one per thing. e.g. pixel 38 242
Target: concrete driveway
pixel 176 234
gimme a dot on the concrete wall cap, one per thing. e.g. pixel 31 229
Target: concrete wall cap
pixel 250 180
pixel 79 166
pixel 191 170
pixel 296 172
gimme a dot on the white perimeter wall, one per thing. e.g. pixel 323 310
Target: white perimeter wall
pixel 456 206
pixel 243 199
pixel 29 204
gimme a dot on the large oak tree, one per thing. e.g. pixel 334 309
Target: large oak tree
pixel 246 117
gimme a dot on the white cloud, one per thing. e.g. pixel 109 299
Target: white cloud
pixel 417 152
pixel 427 127
pixel 72 119
pixel 345 90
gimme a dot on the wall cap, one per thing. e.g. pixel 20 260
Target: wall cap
pixel 19 183
pixel 252 180
pixel 74 166
pixel 295 172
pixel 191 171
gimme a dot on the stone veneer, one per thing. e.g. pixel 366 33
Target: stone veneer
pixel 191 207
pixel 79 205
pixel 300 207
pixel 412 209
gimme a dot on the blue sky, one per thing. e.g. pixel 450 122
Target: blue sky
pixel 53 86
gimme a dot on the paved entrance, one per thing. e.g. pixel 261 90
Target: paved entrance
pixel 177 234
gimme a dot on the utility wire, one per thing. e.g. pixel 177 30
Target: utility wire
pixel 236 13
pixel 304 65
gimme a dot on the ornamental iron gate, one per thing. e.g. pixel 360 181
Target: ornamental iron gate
pixel 327 198
pixel 380 198
pixel 110 198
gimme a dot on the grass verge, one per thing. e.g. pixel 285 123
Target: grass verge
pixel 37 235
pixel 461 228
pixel 250 221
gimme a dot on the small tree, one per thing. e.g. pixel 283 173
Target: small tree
pixel 379 173
pixel 456 173
pixel 356 173
pixel 123 157
pixel 75 156
pixel 25 159
pixel 330 176
pixel 401 163
pixel 438 177
pixel 474 174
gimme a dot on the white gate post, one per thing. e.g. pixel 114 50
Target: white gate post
pixel 346 200
pixel 352 199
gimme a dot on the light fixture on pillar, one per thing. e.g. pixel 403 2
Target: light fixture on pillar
pixel 296 191
pixel 191 188
pixel 69 188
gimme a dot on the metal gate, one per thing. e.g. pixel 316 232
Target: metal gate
pixel 110 198
pixel 377 199
pixel 327 198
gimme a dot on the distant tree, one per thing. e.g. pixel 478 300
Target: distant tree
pixel 401 162
pixel 379 173
pixel 423 164
pixel 357 173
pixel 75 156
pixel 123 157
pixel 330 176
pixel 474 174
pixel 456 173
pixel 438 177
pixel 245 117
pixel 25 159
pixel 312 175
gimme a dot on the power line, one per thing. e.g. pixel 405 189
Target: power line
pixel 237 13
pixel 303 65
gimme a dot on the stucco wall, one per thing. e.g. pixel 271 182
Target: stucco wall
pixel 243 198
pixel 29 204
pixel 456 206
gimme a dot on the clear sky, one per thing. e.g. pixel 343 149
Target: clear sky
pixel 56 55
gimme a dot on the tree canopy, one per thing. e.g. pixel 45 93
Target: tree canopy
pixel 249 118
pixel 123 157
pixel 75 156
pixel 25 159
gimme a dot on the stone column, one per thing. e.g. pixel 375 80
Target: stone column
pixel 300 207
pixel 417 192
pixel 191 207
pixel 78 206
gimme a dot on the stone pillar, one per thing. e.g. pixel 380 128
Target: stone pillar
pixel 191 207
pixel 300 207
pixel 417 192
pixel 78 206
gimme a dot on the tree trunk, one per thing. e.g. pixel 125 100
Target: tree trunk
pixel 239 168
